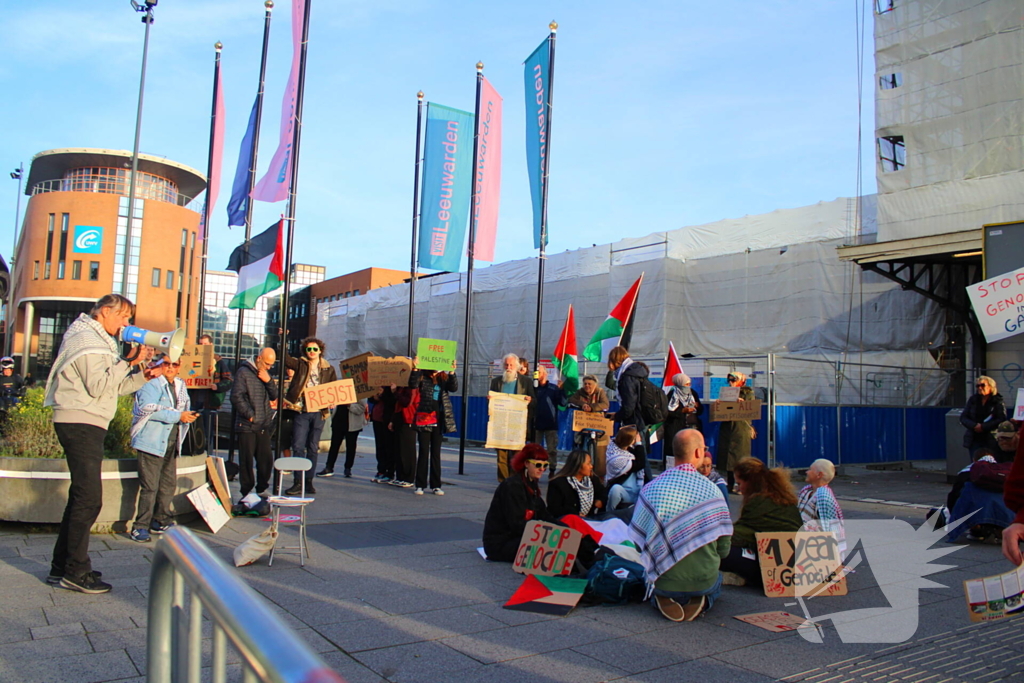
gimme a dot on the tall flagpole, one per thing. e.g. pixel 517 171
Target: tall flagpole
pixel 415 219
pixel 218 46
pixel 300 92
pixel 254 149
pixel 470 249
pixel 545 161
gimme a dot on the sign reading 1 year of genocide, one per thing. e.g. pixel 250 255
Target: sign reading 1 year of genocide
pixel 800 563
pixel 999 305
pixel 383 372
pixel 357 370
pixel 436 354
pixel 547 549
pixel 329 395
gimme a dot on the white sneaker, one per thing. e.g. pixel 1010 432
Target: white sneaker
pixel 419 492
pixel 438 492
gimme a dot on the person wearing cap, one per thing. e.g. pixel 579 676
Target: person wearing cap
pixel 12 385
pixel 684 410
pixel 1006 440
pixel 734 437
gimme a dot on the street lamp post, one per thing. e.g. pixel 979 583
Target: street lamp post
pixel 16 174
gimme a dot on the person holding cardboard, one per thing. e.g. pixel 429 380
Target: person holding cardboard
pixel 511 381
pixel 734 436
pixel 682 528
pixel 310 371
pixel 208 401
pixel 516 501
pixel 591 398
pixel 434 418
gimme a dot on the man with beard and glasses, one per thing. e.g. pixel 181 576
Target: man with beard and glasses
pixel 511 382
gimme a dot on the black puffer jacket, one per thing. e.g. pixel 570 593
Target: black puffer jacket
pixel 988 415
pixel 630 391
pixel 251 399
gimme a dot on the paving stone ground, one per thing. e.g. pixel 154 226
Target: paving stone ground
pixel 395 591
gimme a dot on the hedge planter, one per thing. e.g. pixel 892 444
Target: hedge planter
pixel 36 490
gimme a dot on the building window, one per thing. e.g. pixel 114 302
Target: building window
pixel 890 81
pixel 49 247
pixel 170 279
pixel 892 153
pixel 181 281
pixel 94 270
pixel 156 277
pixel 355 292
pixel 76 270
pixel 63 253
pixel 35 270
pixel 883 6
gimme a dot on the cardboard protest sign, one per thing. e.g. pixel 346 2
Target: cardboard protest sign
pixel 329 395
pixel 436 354
pixel 547 595
pixel 999 305
pixel 218 474
pixel 383 372
pixel 506 421
pixel 357 370
pixel 995 597
pixel 583 420
pixel 729 394
pixel 198 366
pixel 547 549
pixel 741 410
pixel 800 563
pixel 209 508
pixel 776 622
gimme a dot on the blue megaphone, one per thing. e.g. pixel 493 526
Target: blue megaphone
pixel 171 343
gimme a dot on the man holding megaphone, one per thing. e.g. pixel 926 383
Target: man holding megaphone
pixel 87 377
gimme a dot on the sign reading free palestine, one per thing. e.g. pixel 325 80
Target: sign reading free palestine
pixel 999 305
pixel 436 354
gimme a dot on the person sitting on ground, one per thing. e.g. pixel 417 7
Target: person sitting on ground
pixel 979 505
pixel 769 504
pixel 818 506
pixel 575 490
pixel 962 477
pixel 624 468
pixel 1013 497
pixel 1006 442
pixel 682 528
pixel 516 501
pixel 707 468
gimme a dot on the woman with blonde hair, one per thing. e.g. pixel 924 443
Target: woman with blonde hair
pixel 984 411
pixel 769 504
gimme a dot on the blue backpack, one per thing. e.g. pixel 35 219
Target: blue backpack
pixel 614 581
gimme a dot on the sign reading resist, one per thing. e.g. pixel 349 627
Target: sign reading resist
pixel 329 395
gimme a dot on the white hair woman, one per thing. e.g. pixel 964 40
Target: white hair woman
pixel 818 506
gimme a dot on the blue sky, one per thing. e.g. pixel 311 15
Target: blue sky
pixel 666 114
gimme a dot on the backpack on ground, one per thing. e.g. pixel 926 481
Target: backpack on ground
pixel 653 403
pixel 614 580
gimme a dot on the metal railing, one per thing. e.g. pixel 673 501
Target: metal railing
pixel 270 651
pixel 149 192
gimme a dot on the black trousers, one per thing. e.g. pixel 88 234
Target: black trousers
pixel 737 564
pixel 385 443
pixel 254 445
pixel 351 440
pixel 83 448
pixel 429 456
pixel 405 467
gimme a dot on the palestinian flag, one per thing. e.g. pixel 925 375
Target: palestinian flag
pixel 672 368
pixel 260 266
pixel 547 595
pixel 565 356
pixel 617 329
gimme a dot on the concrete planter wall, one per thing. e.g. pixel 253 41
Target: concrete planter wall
pixel 36 490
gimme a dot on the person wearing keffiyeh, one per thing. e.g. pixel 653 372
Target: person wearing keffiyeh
pixel 818 506
pixel 682 528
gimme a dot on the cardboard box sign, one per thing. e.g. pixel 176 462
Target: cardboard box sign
pixel 547 550
pixel 383 372
pixel 436 354
pixel 329 395
pixel 741 410
pixel 198 366
pixel 581 420
pixel 800 563
pixel 357 370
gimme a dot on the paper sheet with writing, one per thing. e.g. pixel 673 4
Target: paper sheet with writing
pixel 506 424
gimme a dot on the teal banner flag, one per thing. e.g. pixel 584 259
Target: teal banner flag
pixel 538 85
pixel 447 187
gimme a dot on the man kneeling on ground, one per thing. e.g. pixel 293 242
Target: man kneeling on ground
pixel 683 530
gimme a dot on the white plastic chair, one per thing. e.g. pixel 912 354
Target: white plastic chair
pixel 283 466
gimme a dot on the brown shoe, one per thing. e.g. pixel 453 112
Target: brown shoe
pixel 730 579
pixel 670 609
pixel 694 608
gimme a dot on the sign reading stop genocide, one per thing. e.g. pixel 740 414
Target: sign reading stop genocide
pixel 999 304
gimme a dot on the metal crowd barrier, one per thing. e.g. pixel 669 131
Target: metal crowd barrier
pixel 270 651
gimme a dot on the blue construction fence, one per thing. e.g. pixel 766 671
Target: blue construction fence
pixel 848 434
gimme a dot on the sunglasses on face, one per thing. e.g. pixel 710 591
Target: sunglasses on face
pixel 174 365
pixel 311 349
pixel 539 464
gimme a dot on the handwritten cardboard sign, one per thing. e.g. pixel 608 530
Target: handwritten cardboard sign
pixel 800 563
pixel 357 370
pixel 581 420
pixel 999 305
pixel 776 622
pixel 198 366
pixel 547 550
pixel 740 410
pixel 217 473
pixel 383 372
pixel 329 395
pixel 436 354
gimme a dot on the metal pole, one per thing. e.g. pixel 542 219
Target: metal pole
pixel 218 46
pixel 16 174
pixel 771 411
pixel 415 219
pixel 470 250
pixel 545 164
pixel 269 5
pixel 147 19
pixel 290 218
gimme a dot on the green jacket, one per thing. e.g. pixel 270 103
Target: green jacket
pixel 698 571
pixel 759 514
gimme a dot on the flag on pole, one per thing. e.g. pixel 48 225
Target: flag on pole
pixel 672 368
pixel 617 329
pixel 260 266
pixel 447 187
pixel 537 73
pixel 216 156
pixel 274 186
pixel 487 180
pixel 565 358
pixel 239 202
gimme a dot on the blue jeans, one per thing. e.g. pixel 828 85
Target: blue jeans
pixel 682 597
pixel 626 492
pixel 306 429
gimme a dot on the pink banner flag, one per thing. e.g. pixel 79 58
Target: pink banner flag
pixel 216 156
pixel 487 179
pixel 273 187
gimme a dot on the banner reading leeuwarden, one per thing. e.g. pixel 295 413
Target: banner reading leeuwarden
pixel 999 305
pixel 487 181
pixel 538 81
pixel 447 186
